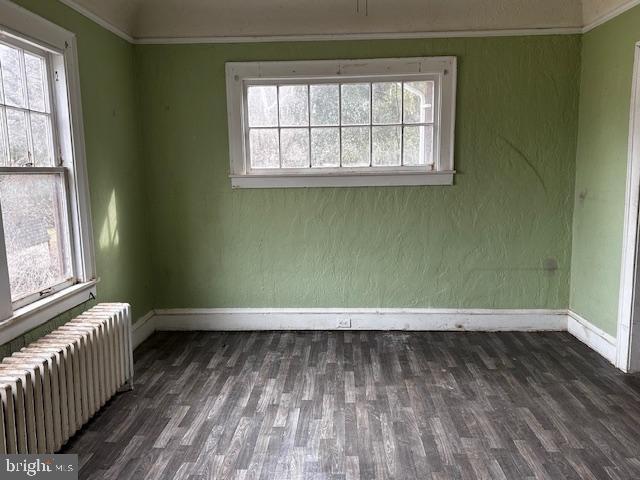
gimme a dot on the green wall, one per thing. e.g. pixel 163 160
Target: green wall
pixel 601 168
pixel 165 216
pixel 116 176
pixel 481 243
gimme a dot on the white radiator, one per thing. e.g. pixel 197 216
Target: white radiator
pixel 52 387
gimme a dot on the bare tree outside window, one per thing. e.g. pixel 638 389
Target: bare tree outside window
pixel 344 125
pixel 32 189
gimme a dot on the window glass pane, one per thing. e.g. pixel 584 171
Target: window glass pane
pixel 17 127
pixel 263 144
pixel 36 234
pixel 325 147
pixel 349 125
pixel 355 146
pixel 262 104
pixel 418 102
pixel 325 104
pixel 4 146
pixel 355 103
pixel 387 102
pixel 418 145
pixel 41 137
pixel 294 106
pixel 12 80
pixel 36 86
pixel 294 143
pixel 386 146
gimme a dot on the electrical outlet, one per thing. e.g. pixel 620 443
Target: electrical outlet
pixel 344 323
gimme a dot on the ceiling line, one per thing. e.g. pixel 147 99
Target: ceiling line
pixel 99 20
pixel 611 14
pixel 361 36
pixel 605 17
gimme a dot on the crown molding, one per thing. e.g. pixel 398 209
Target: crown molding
pixel 605 17
pixel 610 15
pixel 360 36
pixel 99 20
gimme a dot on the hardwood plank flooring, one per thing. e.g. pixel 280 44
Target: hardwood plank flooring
pixel 366 405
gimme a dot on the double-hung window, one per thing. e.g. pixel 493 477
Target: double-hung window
pixel 46 251
pixel 342 123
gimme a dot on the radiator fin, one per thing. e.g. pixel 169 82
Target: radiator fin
pixel 52 387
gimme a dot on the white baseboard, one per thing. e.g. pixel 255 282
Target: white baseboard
pixel 417 319
pixel 592 336
pixel 143 328
pixel 239 319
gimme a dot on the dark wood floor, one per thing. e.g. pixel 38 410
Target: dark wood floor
pixel 370 405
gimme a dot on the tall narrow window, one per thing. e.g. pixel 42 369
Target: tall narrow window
pixel 33 194
pixel 369 122
pixel 46 247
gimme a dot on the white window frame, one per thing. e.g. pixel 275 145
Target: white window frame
pixel 441 69
pixel 17 23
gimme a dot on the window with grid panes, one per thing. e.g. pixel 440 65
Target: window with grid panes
pixel 47 259
pixel 393 122
pixel 33 186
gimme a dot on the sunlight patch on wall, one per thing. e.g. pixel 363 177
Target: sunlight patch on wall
pixel 109 233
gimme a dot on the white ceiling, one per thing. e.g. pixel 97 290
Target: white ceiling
pixel 145 19
pixel 593 10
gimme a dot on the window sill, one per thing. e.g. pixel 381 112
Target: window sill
pixel 376 179
pixel 35 314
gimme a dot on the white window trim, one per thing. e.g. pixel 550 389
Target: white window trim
pixel 238 74
pixel 35 314
pixel 17 22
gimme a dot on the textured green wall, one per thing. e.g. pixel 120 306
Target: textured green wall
pixel 601 168
pixel 480 243
pixel 116 176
